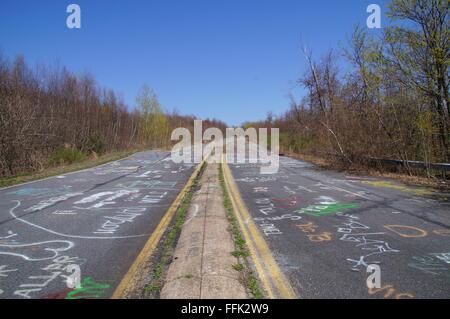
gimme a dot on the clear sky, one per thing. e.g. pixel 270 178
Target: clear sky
pixel 234 60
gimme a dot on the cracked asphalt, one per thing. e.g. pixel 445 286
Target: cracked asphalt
pixel 95 221
pixel 325 228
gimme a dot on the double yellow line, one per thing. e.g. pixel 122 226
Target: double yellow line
pixel 273 280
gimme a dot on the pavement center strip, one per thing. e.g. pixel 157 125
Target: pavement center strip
pixel 127 283
pixel 202 267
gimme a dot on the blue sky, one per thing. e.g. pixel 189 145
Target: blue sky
pixel 234 60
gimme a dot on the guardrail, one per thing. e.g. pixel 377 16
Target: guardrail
pixel 415 164
pixel 443 167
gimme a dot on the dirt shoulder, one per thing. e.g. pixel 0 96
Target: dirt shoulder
pixel 64 169
pixel 412 180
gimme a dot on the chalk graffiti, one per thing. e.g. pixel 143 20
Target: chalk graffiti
pixel 415 232
pixel 403 188
pixel 89 290
pixel 325 208
pixel 147 173
pixel 265 205
pixel 307 228
pixel 260 189
pixel 58 295
pixel 60 263
pixel 50 202
pixel 348 193
pixel 7 238
pixel 433 264
pixel 286 203
pixel 262 201
pixel 11 212
pixel 269 229
pixel 112 223
pixel 193 213
pixel 100 201
pixel 60 267
pixel 351 232
pixel 442 232
pixel 445 257
pixel 282 217
pixel 305 189
pixel 36 251
pixel 64 212
pixel 320 237
pixel 37 192
pixel 311 232
pixel 36 284
pixel 153 197
pixel 88 209
pixel 116 169
pixel 407 231
pixel 389 291
pixel 4 270
pixel 257 179
pixel 288 190
pixel 146 184
pixel 57 267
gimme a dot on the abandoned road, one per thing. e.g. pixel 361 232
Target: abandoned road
pixel 324 228
pixel 98 219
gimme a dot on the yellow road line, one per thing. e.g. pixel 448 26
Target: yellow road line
pixel 250 245
pixel 154 239
pixel 273 280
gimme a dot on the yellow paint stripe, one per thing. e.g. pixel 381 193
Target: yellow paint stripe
pixel 154 239
pixel 259 268
pixel 273 280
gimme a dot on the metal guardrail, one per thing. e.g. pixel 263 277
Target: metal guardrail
pixel 416 164
pixel 444 167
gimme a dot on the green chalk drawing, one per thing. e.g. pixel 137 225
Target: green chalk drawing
pixel 88 290
pixel 322 210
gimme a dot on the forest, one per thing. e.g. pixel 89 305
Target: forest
pixel 393 101
pixel 50 116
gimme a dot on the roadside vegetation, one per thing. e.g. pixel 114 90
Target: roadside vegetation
pixel 67 168
pixel 241 251
pixel 392 104
pixel 66 156
pixel 50 117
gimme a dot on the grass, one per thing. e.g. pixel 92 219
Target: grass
pixel 155 284
pixel 238 267
pixel 241 250
pixel 63 169
pixel 158 273
pixel 66 156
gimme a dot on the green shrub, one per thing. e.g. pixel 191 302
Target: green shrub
pixel 66 156
pixel 95 144
pixel 295 143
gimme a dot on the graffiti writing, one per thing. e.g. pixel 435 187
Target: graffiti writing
pixel 89 290
pixel 353 231
pixel 388 291
pixel 310 229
